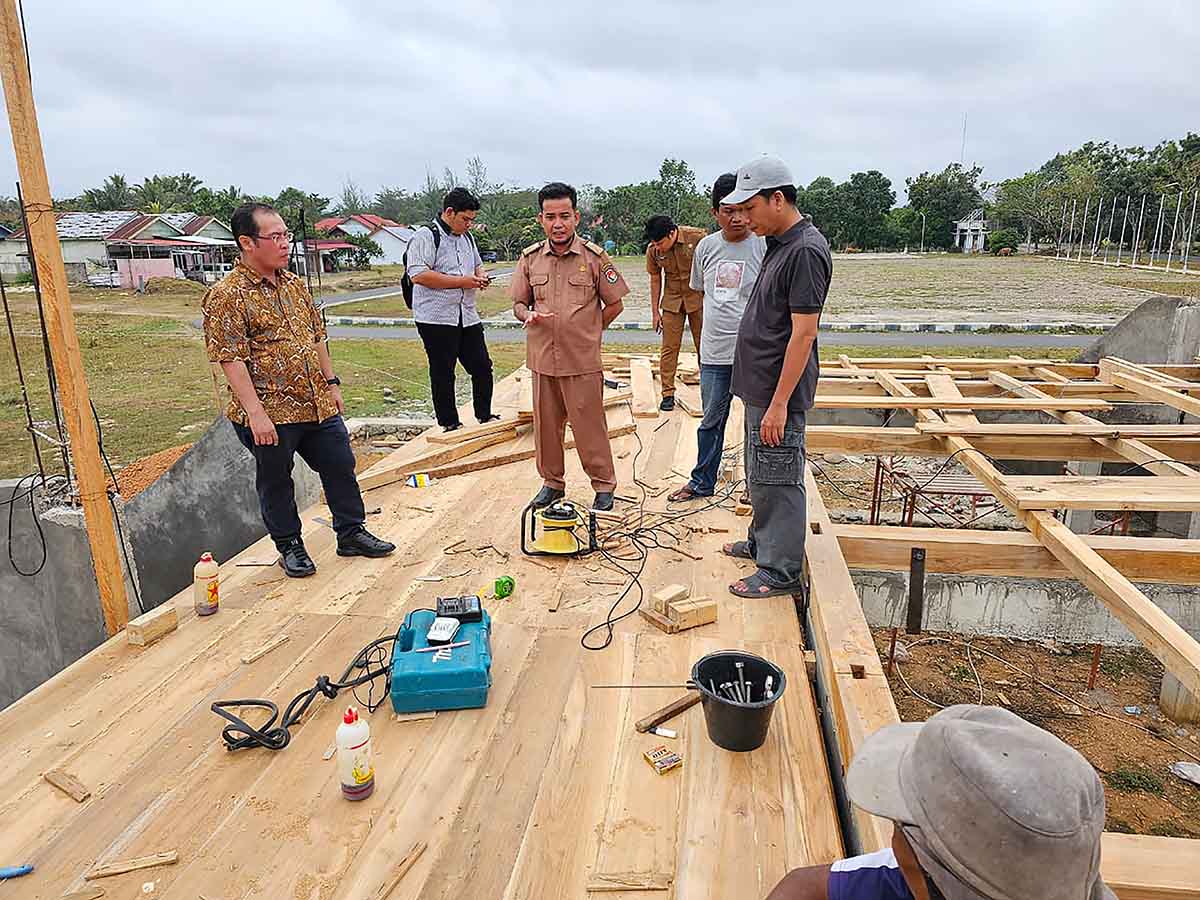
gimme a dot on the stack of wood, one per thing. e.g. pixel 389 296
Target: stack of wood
pixel 673 609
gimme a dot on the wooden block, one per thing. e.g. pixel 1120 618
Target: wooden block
pixel 743 509
pixel 416 716
pixel 810 664
pixel 150 627
pixel 166 858
pixel 665 596
pixel 693 613
pixel 265 649
pixel 645 398
pixel 659 621
pixel 525 393
pixel 614 882
pixel 687 398
pixel 68 784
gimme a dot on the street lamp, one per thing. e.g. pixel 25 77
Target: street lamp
pixel 922 232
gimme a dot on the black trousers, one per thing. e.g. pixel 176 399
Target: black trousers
pixel 446 346
pixel 325 446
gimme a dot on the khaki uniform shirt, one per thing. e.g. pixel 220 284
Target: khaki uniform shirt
pixel 575 287
pixel 274 329
pixel 676 268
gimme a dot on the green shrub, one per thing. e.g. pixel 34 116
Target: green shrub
pixel 1004 237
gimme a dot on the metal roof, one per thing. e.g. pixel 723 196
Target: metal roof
pixel 178 219
pixel 82 226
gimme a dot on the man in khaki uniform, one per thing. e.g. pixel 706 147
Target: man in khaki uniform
pixel 567 291
pixel 669 258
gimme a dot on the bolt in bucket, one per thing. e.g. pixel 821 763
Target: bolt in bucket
pixel 737 703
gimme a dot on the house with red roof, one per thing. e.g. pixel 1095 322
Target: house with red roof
pixel 392 237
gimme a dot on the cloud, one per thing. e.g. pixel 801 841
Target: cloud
pixel 308 92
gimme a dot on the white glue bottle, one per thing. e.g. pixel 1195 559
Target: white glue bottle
pixel 355 770
pixel 206 580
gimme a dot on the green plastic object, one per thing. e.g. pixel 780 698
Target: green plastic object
pixel 504 587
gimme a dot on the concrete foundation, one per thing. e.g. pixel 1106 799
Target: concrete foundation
pixel 206 501
pixel 1028 608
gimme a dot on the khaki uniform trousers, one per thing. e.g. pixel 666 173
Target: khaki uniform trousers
pixel 579 400
pixel 672 339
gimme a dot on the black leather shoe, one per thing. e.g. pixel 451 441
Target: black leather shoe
pixel 603 501
pixel 492 418
pixel 546 496
pixel 296 562
pixel 448 428
pixel 363 543
pixel 668 403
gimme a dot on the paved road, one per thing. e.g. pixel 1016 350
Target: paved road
pixel 855 339
pixel 329 301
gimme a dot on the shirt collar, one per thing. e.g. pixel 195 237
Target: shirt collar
pixel 573 248
pixel 445 228
pixel 254 277
pixel 792 233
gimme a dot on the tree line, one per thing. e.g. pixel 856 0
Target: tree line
pixel 859 213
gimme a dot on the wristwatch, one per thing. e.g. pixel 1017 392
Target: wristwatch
pixel 334 380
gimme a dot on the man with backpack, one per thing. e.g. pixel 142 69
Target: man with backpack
pixel 442 272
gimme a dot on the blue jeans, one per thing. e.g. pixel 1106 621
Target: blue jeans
pixel 710 437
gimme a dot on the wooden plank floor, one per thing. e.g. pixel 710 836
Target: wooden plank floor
pixel 528 797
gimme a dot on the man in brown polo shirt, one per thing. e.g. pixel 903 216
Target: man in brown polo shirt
pixel 261 325
pixel 567 291
pixel 669 261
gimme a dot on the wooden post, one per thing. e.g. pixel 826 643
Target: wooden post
pixel 60 321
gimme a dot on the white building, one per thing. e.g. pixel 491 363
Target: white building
pixel 970 234
pixel 392 237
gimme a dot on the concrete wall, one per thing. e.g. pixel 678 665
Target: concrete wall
pixel 51 618
pixel 1161 330
pixel 205 502
pixel 1032 608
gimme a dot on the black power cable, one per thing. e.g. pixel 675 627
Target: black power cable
pixel 275 733
pixel 33 514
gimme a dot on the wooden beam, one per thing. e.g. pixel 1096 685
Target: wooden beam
pixel 1157 392
pixel 434 459
pixel 1035 429
pixel 1016 554
pixel 167 858
pixel 461 435
pixel 1146 372
pixel 153 625
pixel 645 400
pixel 1140 867
pixel 60 323
pixel 1157 631
pixel 832 401
pixel 1155 460
pixel 1173 493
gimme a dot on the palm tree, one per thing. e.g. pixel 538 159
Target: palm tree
pixel 115 193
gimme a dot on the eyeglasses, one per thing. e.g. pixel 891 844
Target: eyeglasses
pixel 279 237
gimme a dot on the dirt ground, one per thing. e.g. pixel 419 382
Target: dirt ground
pixel 140 474
pixel 1132 752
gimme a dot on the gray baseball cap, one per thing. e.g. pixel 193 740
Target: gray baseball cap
pixel 756 175
pixel 993 806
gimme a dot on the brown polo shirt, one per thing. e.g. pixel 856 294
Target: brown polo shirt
pixel 576 287
pixel 676 268
pixel 275 330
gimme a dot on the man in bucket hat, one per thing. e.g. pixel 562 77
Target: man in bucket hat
pixel 985 807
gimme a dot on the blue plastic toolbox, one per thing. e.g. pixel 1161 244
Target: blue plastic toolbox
pixel 420 682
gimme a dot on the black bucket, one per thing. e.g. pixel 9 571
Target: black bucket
pixel 738 725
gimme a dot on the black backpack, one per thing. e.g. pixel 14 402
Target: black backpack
pixel 406 283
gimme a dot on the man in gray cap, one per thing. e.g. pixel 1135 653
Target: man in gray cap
pixel 985 807
pixel 775 371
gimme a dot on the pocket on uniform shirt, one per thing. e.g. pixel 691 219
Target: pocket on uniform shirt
pixel 782 465
pixel 582 289
pixel 537 284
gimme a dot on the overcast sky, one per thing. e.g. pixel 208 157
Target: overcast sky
pixel 267 93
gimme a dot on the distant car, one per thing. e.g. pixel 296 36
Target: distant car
pixel 489 256
pixel 209 273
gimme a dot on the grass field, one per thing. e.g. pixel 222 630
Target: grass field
pixel 932 288
pixel 152 387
